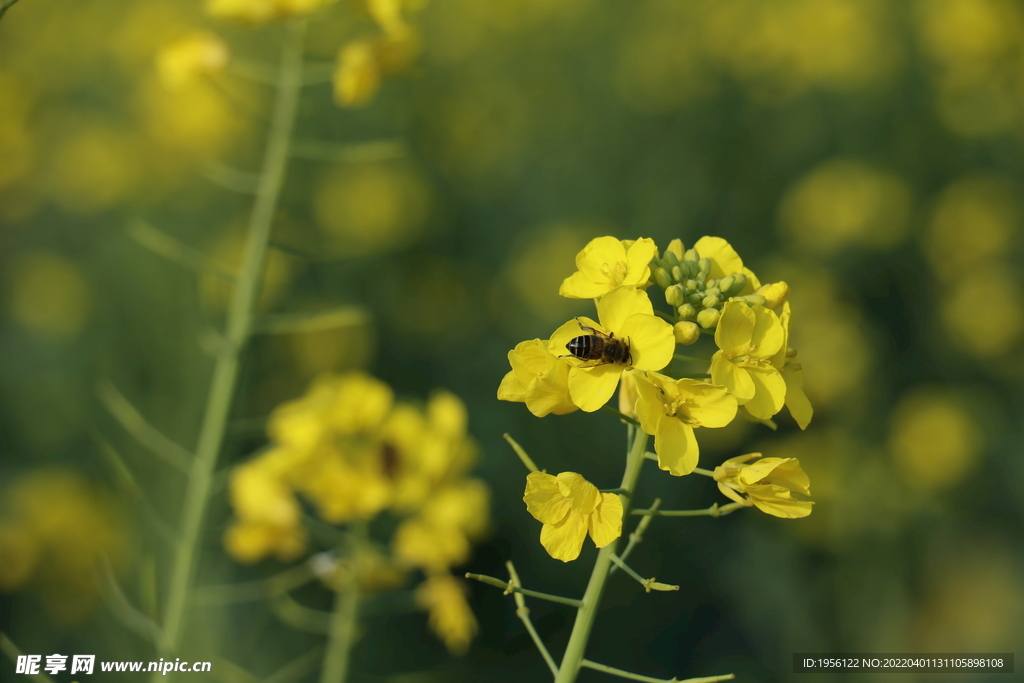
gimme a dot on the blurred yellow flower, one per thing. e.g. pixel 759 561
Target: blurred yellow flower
pixel 372 207
pixel 357 76
pixel 843 203
pixel 785 362
pixel 434 548
pixel 48 294
pixel 261 11
pixel 95 167
pixel 540 259
pixel 671 409
pixel 190 57
pixel 268 515
pixel 984 312
pixel 54 529
pixel 569 507
pixel 626 313
pixel 606 263
pixel 538 378
pixel 776 486
pixel 196 121
pixel 748 338
pixel 933 439
pixel 448 612
pixel 973 222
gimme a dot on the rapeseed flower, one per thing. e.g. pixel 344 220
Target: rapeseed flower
pixel 776 486
pixel 357 76
pixel 262 11
pixel 606 263
pixel 569 507
pixel 267 512
pixel 748 338
pixel 670 409
pixel 785 362
pixel 626 314
pixel 448 612
pixel 538 378
pixel 191 57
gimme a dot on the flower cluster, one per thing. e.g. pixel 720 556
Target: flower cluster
pixel 354 452
pixel 709 294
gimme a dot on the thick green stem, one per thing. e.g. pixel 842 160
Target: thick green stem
pixel 575 650
pixel 239 328
pixel 343 619
pixel 6 5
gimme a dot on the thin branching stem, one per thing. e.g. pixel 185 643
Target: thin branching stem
pixel 649 679
pixel 715 510
pixel 342 633
pixel 648 584
pixel 638 533
pixel 622 416
pixel 511 588
pixel 239 327
pixel 527 460
pixel 523 612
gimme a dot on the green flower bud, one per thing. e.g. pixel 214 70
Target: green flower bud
pixel 705 268
pixel 670 259
pixel 676 247
pixel 686 333
pixel 687 312
pixel 691 255
pixel 677 274
pixel 708 318
pixel 674 295
pixel 739 281
pixel 695 298
pixel 752 299
pixel 726 283
pixel 662 277
pixel 692 285
pixel 710 301
pixel 712 291
pixel 689 268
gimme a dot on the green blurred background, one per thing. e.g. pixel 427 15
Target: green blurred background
pixel 868 152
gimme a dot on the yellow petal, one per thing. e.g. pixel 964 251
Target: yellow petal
pixel 735 328
pixel 605 522
pixel 592 388
pixel 618 305
pixel 649 406
pixel 774 294
pixel 651 341
pixel 779 359
pixel 511 388
pixel 753 284
pixel 676 446
pixel 733 377
pixel 599 257
pixel 724 259
pixel 769 392
pixel 581 494
pixel 714 406
pixel 767 335
pixel 734 495
pixel 528 359
pixel 579 286
pixel 638 262
pixel 777 501
pixel 549 393
pixel 564 540
pixel 544 499
pixel 796 400
pixel 784 472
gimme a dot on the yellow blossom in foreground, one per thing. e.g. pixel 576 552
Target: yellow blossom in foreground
pixel 448 612
pixel 776 486
pixel 785 362
pixel 261 11
pixel 748 339
pixel 627 315
pixel 671 409
pixel 538 378
pixel 725 261
pixel 606 263
pixel 190 57
pixel 569 507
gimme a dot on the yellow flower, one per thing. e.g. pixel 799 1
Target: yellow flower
pixel 538 378
pixel 266 510
pixel 725 261
pixel 774 294
pixel 433 547
pixel 785 362
pixel 776 486
pixel 569 507
pixel 357 76
pixel 261 11
pixel 190 57
pixel 448 612
pixel 671 409
pixel 626 313
pixel 748 338
pixel 606 263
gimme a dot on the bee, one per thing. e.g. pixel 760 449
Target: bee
pixel 598 348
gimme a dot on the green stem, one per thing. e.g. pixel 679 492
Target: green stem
pixel 691 359
pixel 701 470
pixel 239 326
pixel 523 612
pixel 648 584
pixel 513 588
pixel 342 628
pixel 638 533
pixel 527 461
pixel 574 651
pixel 713 511
pixel 648 679
pixel 622 416
pixel 6 6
